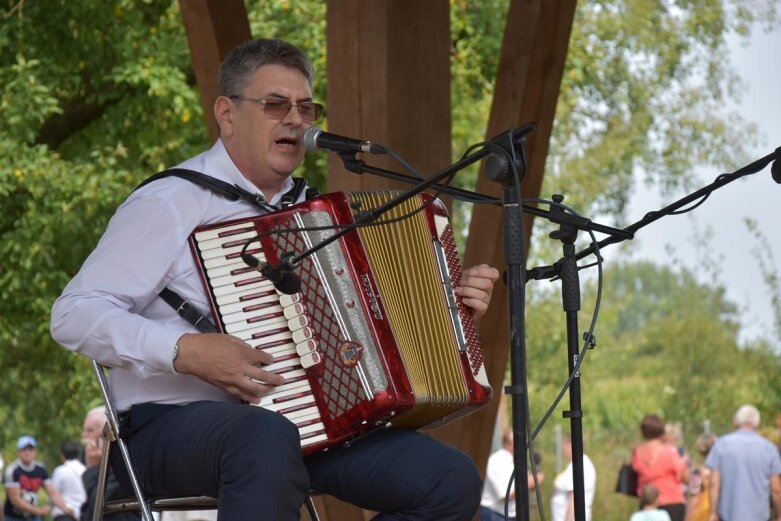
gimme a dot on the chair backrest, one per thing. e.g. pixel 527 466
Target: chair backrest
pixel 141 503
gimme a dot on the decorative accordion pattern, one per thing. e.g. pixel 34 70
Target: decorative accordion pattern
pixel 375 337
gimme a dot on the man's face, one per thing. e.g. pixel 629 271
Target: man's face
pixel 26 454
pixel 267 149
pixel 93 427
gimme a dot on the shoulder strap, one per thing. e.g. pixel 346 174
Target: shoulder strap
pixel 232 192
pixel 187 312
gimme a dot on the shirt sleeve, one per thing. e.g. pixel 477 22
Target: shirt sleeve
pixel 100 313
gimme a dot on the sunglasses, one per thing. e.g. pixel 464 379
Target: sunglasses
pixel 278 108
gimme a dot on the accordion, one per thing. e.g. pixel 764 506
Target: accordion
pixel 376 336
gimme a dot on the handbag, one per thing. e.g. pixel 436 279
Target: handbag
pixel 627 480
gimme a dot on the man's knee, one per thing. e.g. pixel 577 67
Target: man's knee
pixel 264 441
pixel 460 489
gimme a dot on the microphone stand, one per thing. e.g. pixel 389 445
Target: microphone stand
pixel 515 261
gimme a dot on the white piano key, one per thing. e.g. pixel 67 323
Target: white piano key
pixel 228 290
pixel 282 364
pixel 235 279
pixel 314 439
pixel 282 350
pixel 281 391
pixel 258 343
pixel 223 253
pixel 265 327
pixel 218 242
pixel 239 307
pixel 247 316
pixel 219 262
pixel 308 429
pixel 243 295
pixel 239 327
pixel 295 373
pixel 298 323
pixel 304 414
pixel 291 403
pixel 206 235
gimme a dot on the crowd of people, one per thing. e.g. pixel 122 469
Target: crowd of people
pixel 72 485
pixel 737 477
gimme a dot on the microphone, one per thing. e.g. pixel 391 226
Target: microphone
pixel 280 276
pixel 316 138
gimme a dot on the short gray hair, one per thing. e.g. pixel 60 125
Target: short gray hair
pixel 245 59
pixel 747 415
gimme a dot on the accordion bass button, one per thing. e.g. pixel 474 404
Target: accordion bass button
pixel 297 322
pixel 311 359
pixel 302 335
pixel 289 300
pixel 306 347
pixel 293 311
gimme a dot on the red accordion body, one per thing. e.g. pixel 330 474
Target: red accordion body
pixel 376 336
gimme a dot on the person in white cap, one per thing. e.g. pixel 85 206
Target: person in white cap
pixel 23 480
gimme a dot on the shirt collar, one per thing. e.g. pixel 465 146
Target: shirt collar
pixel 217 163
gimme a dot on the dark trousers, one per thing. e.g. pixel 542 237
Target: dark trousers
pixel 677 511
pixel 251 460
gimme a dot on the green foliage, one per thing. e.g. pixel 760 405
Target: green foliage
pixel 96 96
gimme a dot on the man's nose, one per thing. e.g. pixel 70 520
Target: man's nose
pixel 293 116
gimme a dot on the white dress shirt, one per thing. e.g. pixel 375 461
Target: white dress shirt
pixel 111 311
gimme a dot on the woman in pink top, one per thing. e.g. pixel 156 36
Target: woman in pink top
pixel 659 464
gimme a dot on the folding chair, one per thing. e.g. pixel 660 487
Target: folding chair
pixel 141 503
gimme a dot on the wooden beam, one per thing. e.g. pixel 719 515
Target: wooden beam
pixel 214 28
pixel 527 86
pixel 389 82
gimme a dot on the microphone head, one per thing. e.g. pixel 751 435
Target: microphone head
pixel 290 284
pixel 310 138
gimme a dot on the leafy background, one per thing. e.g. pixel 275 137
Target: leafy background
pixel 96 96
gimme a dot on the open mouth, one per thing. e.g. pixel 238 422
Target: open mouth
pixel 287 143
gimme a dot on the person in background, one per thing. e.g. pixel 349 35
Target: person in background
pixel 659 464
pixel 498 472
pixel 23 480
pixel 745 470
pixel 92 441
pixel 698 504
pixel 649 506
pixel 67 480
pixel 562 501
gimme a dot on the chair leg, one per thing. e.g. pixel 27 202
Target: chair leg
pixel 310 508
pixel 112 436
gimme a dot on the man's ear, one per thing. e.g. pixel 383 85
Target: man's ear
pixel 223 113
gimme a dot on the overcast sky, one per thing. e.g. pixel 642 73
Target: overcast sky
pixel 757 197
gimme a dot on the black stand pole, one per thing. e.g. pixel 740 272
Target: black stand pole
pixel 516 287
pixel 515 263
pixel 570 298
